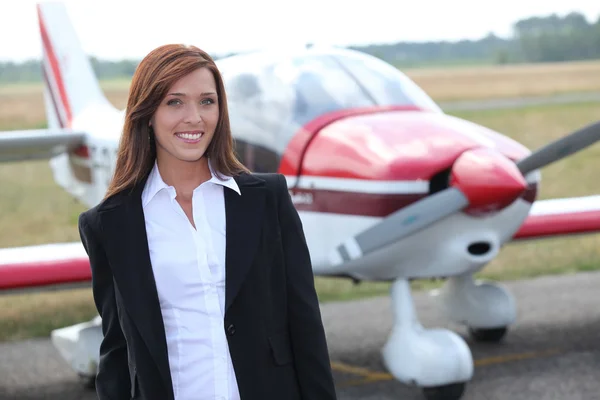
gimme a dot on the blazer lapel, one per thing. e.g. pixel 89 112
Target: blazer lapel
pixel 128 253
pixel 244 216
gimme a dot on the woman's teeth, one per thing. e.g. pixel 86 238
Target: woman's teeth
pixel 189 136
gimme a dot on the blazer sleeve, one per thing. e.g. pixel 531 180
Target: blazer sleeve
pixel 309 344
pixel 112 379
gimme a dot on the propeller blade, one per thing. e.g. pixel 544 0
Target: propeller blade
pixel 560 148
pixel 401 223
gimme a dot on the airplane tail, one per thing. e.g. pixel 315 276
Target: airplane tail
pixel 70 84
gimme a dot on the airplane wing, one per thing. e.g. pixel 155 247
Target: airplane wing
pixel 44 267
pixel 561 217
pixel 37 143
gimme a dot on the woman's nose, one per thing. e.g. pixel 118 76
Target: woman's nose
pixel 193 115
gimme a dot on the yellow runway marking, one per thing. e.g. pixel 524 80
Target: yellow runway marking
pixel 369 376
pixel 514 357
pixel 340 367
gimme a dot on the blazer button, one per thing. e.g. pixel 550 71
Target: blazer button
pixel 231 330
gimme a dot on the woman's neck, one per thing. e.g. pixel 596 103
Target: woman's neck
pixel 184 176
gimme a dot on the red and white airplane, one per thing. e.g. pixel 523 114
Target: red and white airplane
pixel 389 188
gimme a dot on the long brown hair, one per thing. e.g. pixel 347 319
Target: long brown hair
pixel 155 74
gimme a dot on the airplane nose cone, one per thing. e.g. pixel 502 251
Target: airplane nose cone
pixel 489 180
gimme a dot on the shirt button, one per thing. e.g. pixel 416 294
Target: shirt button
pixel 231 330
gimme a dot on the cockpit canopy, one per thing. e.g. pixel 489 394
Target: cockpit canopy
pixel 271 95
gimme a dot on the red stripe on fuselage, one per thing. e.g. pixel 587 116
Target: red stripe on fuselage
pixel 44 273
pixel 351 203
pixel 363 204
pixel 539 226
pixel 54 65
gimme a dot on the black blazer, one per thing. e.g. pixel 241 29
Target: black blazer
pixel 272 319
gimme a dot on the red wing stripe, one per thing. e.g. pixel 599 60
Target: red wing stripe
pixel 539 226
pixel 55 68
pixel 44 273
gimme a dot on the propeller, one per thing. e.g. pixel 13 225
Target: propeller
pixel 561 148
pixel 480 178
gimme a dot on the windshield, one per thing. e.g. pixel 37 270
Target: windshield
pixel 271 95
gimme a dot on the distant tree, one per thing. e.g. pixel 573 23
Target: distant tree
pixel 553 38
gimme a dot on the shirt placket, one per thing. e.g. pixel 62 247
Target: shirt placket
pixel 205 255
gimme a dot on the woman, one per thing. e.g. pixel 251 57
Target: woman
pixel 200 270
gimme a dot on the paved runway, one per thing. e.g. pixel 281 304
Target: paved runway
pixel 553 351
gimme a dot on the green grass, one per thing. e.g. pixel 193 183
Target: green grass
pixel 35 210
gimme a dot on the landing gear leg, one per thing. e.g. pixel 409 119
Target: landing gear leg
pixel 436 360
pixel 487 309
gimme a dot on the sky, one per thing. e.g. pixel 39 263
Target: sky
pixel 118 29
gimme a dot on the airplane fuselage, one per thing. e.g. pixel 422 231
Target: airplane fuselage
pixel 354 172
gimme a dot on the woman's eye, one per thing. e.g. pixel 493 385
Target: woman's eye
pixel 208 101
pixel 173 101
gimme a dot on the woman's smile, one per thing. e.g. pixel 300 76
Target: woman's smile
pixel 190 136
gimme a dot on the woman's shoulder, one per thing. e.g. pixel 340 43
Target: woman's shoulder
pixel 273 181
pixel 90 217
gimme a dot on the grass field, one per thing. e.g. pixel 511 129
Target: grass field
pixel 35 211
pixel 486 82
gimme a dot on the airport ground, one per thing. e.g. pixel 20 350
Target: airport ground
pixel 551 352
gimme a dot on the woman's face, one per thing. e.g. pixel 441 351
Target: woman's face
pixel 184 123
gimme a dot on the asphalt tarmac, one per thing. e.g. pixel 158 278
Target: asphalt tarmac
pixel 552 352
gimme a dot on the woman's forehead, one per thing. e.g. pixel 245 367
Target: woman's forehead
pixel 196 82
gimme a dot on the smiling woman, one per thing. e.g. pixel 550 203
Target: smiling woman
pixel 200 269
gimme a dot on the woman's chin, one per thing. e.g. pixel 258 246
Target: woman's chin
pixel 180 153
pixel 189 156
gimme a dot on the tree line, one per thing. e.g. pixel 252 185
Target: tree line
pixel 537 39
pixel 533 40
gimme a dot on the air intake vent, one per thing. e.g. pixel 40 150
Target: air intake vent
pixel 479 248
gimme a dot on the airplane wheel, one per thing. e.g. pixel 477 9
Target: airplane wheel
pixel 453 391
pixel 493 335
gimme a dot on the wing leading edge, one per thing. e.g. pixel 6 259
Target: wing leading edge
pixel 44 267
pixel 37 144
pixel 561 217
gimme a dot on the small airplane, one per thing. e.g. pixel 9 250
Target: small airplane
pixel 388 187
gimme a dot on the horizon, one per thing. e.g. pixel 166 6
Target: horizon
pixel 254 29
